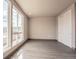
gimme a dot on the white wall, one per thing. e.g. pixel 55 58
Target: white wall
pixel 74 26
pixel 42 28
pixel 66 27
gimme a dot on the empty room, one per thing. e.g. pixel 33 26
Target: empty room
pixel 39 29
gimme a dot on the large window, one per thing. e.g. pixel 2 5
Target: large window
pixel 20 28
pixel 17 33
pixel 5 23
pixel 12 25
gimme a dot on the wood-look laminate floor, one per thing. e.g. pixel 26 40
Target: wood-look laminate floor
pixel 44 49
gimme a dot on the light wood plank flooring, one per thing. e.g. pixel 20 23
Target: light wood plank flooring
pixel 44 49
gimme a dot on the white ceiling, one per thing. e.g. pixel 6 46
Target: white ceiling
pixel 34 8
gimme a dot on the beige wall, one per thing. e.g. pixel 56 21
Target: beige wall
pixel 42 28
pixel 25 28
pixel 66 27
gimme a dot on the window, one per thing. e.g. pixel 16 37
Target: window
pixel 17 33
pixel 5 23
pixel 12 25
pixel 20 28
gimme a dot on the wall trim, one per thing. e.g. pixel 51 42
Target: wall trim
pixel 43 39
